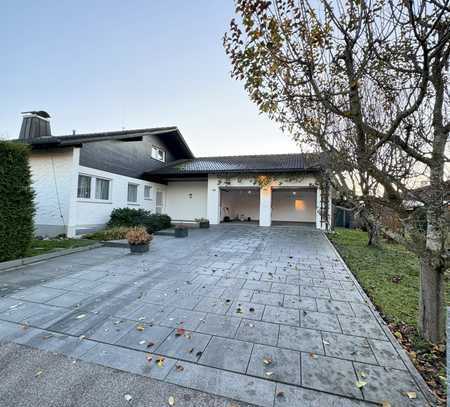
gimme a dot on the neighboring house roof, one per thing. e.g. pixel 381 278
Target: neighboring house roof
pixel 171 135
pixel 420 194
pixel 281 163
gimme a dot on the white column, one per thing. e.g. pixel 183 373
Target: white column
pixel 213 204
pixel 330 207
pixel 72 221
pixel 265 207
pixel 318 205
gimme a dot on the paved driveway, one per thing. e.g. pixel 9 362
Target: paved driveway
pixel 268 316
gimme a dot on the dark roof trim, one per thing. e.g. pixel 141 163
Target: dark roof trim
pixel 76 140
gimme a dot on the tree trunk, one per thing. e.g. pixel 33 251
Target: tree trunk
pixel 432 301
pixel 373 229
pixel 372 226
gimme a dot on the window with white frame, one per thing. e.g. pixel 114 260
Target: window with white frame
pixel 147 192
pixel 90 187
pixel 102 189
pixel 132 193
pixel 84 186
pixel 158 154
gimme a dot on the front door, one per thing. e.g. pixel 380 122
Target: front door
pixel 159 201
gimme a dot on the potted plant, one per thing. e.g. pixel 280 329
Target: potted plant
pixel 202 223
pixel 138 239
pixel 181 231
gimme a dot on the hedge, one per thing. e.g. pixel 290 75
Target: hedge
pixel 139 217
pixel 16 201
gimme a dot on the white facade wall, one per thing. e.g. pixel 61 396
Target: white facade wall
pixel 53 174
pixel 186 200
pixel 91 214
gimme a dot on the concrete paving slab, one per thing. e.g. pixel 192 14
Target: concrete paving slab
pixel 281 315
pixel 305 340
pixel 331 375
pixel 228 354
pixel 219 325
pixel 258 332
pixel 185 345
pixel 272 363
pixel 228 384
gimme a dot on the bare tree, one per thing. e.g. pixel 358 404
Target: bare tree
pixel 364 81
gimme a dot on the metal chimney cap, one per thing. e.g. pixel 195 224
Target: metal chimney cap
pixel 40 113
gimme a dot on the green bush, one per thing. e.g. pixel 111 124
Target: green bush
pixel 115 233
pixel 16 206
pixel 131 217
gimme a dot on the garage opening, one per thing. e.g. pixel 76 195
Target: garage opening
pixel 239 204
pixel 294 205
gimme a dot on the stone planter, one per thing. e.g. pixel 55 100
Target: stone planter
pixel 139 248
pixel 181 232
pixel 203 225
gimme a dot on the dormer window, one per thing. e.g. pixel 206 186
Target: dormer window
pixel 158 154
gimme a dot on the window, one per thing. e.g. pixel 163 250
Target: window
pixel 132 193
pixel 102 189
pixel 84 186
pixel 147 192
pixel 158 154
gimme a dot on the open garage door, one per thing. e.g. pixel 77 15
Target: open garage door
pixel 239 204
pixel 294 205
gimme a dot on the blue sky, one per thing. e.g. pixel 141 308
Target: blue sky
pixel 105 64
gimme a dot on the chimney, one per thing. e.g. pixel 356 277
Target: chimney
pixel 35 124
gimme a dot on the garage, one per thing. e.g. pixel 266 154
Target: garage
pixel 239 204
pixel 294 205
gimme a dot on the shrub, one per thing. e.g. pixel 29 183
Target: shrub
pixel 116 233
pixel 139 217
pixel 138 235
pixel 16 207
pixel 128 217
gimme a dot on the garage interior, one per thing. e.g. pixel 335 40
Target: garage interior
pixel 239 204
pixel 294 205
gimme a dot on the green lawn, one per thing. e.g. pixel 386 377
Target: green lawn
pixel 377 268
pixel 45 246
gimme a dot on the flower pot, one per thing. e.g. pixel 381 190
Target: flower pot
pixel 139 248
pixel 181 232
pixel 203 225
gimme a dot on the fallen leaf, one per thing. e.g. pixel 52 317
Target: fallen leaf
pixel 269 374
pixel 198 354
pixel 38 373
pixel 171 401
pixel 362 374
pixel 325 342
pixel 411 394
pixel 82 337
pixel 312 355
pixel 360 384
pixel 191 350
pixel 385 403
pixel 180 332
pixel 149 357
pixel 179 368
pixel 280 394
pixel 160 361
pixel 128 397
pixel 267 361
pixel 140 327
pixel 238 310
pixel 150 344
pixel 81 316
pixel 141 342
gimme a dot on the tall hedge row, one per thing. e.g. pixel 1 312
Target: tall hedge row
pixel 16 201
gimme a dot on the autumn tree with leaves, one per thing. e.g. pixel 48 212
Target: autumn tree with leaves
pixel 366 83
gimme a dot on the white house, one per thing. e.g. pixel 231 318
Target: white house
pixel 80 178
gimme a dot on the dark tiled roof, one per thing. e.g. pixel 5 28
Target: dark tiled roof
pixel 242 163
